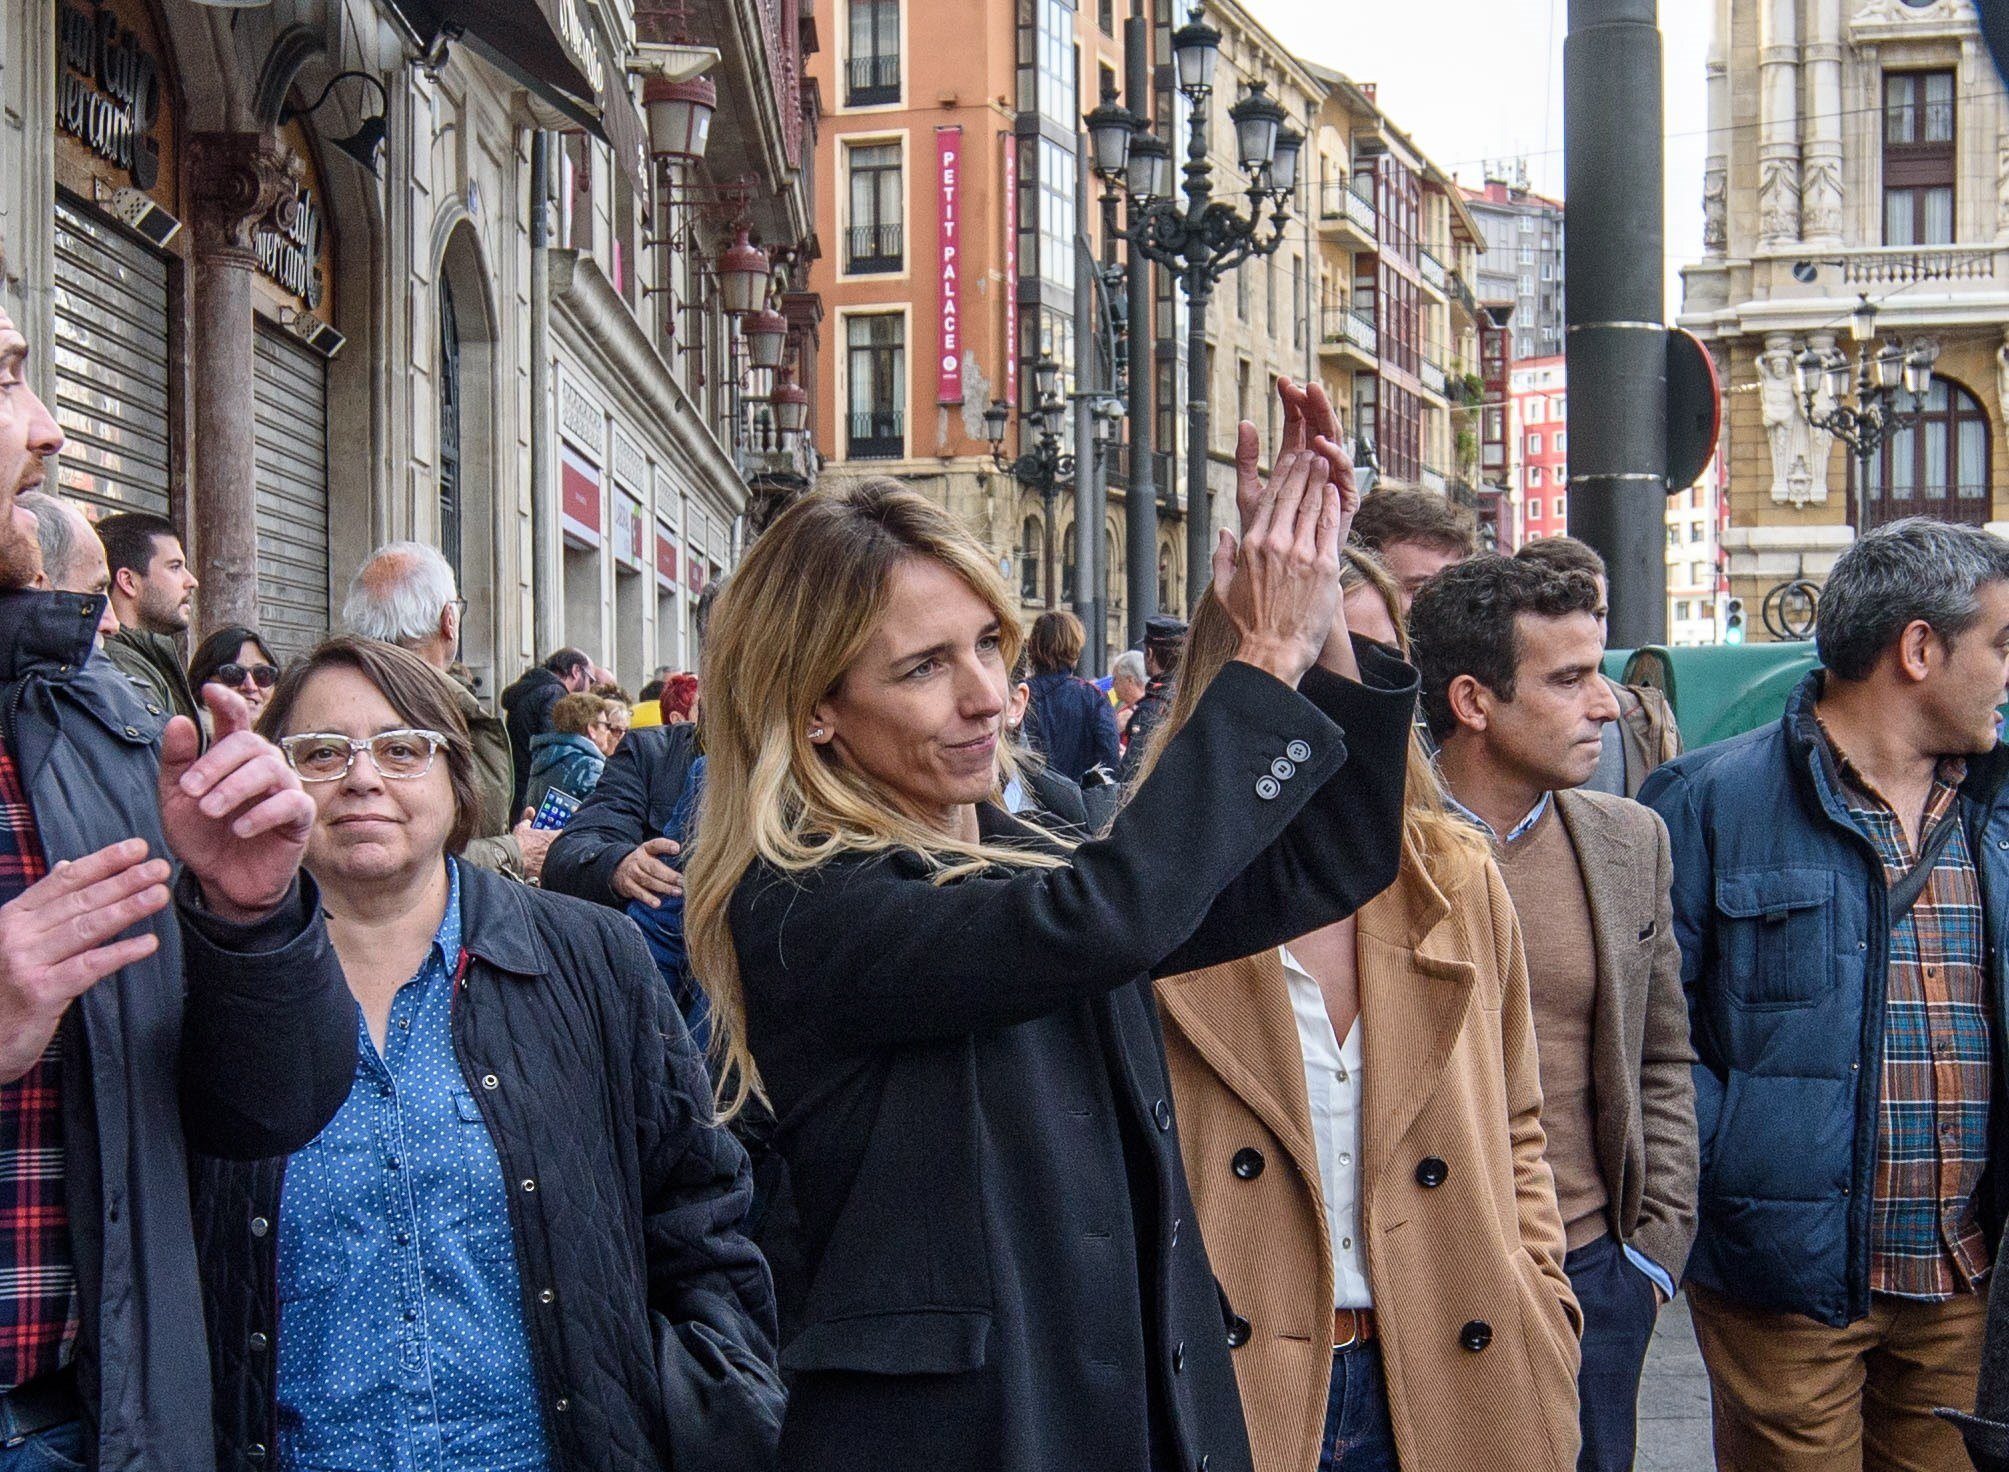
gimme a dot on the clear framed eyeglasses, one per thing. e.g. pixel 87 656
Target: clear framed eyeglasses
pixel 324 756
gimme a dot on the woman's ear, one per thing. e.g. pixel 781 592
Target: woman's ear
pixel 1015 705
pixel 822 724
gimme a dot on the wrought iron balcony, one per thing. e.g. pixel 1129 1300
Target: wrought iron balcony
pixel 877 434
pixel 1343 206
pixel 871 81
pixel 873 248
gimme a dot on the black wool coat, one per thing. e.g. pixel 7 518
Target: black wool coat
pixel 1003 1267
pixel 633 802
pixel 626 1200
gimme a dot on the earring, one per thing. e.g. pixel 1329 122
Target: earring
pixel 815 732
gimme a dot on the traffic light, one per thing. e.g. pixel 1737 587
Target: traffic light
pixel 1733 621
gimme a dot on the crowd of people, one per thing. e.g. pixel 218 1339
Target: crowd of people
pixel 894 1050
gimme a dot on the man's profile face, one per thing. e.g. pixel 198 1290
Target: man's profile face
pixel 28 436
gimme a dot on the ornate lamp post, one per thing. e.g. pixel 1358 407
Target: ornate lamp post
pixel 1200 239
pixel 1866 422
pixel 1045 467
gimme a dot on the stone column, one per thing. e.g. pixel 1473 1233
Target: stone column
pixel 234 178
pixel 1716 167
pixel 1821 171
pixel 1779 122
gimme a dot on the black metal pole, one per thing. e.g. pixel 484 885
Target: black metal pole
pixel 1140 496
pixel 1199 503
pixel 1614 285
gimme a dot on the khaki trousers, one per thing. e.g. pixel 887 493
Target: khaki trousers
pixel 1793 1395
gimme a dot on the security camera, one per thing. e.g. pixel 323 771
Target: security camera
pixel 311 330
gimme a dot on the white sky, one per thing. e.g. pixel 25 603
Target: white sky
pixel 1472 80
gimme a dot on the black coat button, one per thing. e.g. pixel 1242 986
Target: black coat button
pixel 1432 1173
pixel 1248 1163
pixel 1476 1335
pixel 1238 1332
pixel 1162 1112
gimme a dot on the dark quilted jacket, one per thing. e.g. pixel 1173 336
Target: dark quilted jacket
pixel 626 1200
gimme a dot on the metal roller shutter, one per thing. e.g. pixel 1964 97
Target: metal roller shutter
pixel 291 435
pixel 111 363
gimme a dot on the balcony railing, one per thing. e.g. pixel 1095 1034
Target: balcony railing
pixel 1116 461
pixel 1434 273
pixel 1906 265
pixel 1461 293
pixel 872 80
pixel 878 434
pixel 1343 325
pixel 1433 378
pixel 873 248
pixel 1339 201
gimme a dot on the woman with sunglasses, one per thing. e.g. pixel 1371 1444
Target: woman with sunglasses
pixel 517 1246
pixel 235 658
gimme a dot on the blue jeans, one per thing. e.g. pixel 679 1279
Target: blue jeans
pixel 1358 1436
pixel 59 1449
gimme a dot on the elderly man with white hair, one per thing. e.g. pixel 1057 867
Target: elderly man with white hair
pixel 405 594
pixel 73 559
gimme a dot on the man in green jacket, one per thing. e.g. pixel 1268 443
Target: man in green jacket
pixel 153 594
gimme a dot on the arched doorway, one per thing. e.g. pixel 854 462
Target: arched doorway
pixel 464 525
pixel 1939 465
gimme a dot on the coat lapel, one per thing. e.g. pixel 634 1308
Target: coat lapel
pixel 1613 876
pixel 1413 999
pixel 1239 1018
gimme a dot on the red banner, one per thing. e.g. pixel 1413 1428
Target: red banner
pixel 580 483
pixel 1011 269
pixel 949 272
pixel 666 557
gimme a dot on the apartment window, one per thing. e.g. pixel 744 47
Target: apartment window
pixel 1242 292
pixel 873 74
pixel 1535 408
pixel 1673 537
pixel 1559 407
pixel 1527 224
pixel 1698 572
pixel 1562 441
pixel 1680 610
pixel 1695 531
pixel 874 241
pixel 877 348
pixel 1534 444
pixel 1937 466
pixel 1241 389
pixel 1031 560
pixel 1046 212
pixel 1527 285
pixel 1527 255
pixel 1535 477
pixel 1918 158
pixel 1561 507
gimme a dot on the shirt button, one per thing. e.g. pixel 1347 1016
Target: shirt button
pixel 404 1239
pixel 405 1023
pixel 1347 1243
pixel 411 1316
pixel 1341 1075
pixel 153 710
pixel 260 1226
pixel 1345 1158
pixel 392 1162
pixel 132 730
pixel 490 1081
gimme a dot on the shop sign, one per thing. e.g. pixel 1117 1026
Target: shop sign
pixel 629 520
pixel 108 93
pixel 949 270
pixel 1011 269
pixel 666 557
pixel 288 245
pixel 580 499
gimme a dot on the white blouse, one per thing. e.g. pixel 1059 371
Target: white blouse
pixel 1333 1087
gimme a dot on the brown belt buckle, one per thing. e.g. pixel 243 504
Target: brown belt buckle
pixel 1357 1318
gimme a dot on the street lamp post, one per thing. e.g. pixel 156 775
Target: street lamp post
pixel 1880 373
pixel 1047 466
pixel 1204 238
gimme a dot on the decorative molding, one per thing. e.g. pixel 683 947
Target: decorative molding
pixel 234 179
pixel 1821 197
pixel 1895 20
pixel 1779 199
pixel 631 466
pixel 581 419
pixel 1716 205
pixel 1799 451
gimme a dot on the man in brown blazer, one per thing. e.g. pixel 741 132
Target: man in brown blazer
pixel 1509 653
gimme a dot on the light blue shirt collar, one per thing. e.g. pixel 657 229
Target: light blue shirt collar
pixel 1521 828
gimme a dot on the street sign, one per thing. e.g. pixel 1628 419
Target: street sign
pixel 1694 409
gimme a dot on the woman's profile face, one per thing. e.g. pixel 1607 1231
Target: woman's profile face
pixel 920 710
pixel 368 827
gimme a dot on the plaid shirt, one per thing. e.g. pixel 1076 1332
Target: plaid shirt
pixel 1932 1140
pixel 38 1300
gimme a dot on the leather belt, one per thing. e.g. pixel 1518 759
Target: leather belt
pixel 1351 1328
pixel 36 1405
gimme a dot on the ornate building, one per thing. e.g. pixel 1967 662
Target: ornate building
pixel 1859 152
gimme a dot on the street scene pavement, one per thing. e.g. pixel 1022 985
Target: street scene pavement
pixel 1674 1399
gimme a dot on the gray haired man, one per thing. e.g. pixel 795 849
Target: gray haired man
pixel 73 559
pixel 1841 895
pixel 405 594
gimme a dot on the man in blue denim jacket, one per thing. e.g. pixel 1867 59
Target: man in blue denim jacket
pixel 1841 895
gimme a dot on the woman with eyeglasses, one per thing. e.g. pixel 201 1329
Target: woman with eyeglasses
pixel 517 1246
pixel 235 658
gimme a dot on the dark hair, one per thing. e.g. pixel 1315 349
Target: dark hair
pixel 680 694
pixel 131 540
pixel 652 691
pixel 1464 622
pixel 220 649
pixel 414 689
pixel 1056 642
pixel 1912 570
pixel 1392 516
pixel 568 662
pixel 1563 554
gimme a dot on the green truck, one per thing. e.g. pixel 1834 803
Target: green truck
pixel 1719 690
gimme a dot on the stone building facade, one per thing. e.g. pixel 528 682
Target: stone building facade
pixel 1859 151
